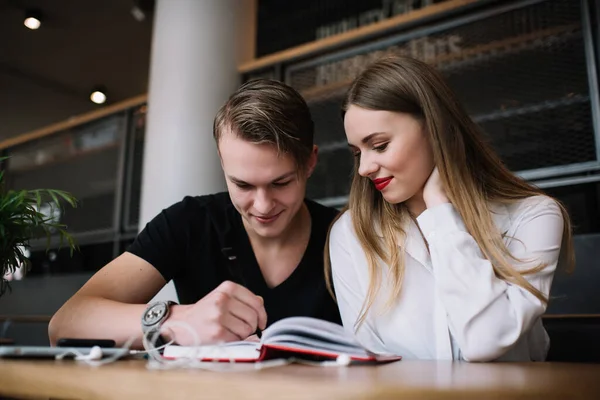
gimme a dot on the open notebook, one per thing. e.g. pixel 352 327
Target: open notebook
pixel 293 337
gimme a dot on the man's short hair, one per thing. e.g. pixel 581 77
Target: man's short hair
pixel 265 111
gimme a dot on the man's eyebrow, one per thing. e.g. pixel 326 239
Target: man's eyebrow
pixel 236 180
pixel 279 178
pixel 367 138
pixel 285 176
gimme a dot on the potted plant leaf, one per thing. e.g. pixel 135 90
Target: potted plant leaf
pixel 23 217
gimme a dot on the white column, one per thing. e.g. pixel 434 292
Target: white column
pixel 193 69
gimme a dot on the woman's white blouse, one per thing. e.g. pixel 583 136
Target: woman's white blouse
pixel 452 306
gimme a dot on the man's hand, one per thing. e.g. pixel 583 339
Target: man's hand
pixel 253 338
pixel 229 313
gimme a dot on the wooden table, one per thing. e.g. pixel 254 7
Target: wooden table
pixel 405 379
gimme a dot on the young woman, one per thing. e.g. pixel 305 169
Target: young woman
pixel 442 252
pixel 240 260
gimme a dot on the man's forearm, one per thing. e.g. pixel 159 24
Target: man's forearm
pixel 98 318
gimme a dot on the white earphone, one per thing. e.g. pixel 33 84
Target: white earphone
pixel 343 360
pixel 94 354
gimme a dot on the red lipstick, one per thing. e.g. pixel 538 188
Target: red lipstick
pixel 381 183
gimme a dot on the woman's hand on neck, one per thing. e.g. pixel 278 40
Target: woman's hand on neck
pixel 433 192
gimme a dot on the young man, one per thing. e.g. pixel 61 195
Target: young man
pixel 239 260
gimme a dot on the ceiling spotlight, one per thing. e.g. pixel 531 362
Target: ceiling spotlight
pixel 98 95
pixel 33 19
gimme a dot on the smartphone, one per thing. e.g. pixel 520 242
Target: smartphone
pixel 68 342
pixel 52 352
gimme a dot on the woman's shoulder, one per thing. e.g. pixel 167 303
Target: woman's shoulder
pixel 345 225
pixel 514 214
pixel 342 225
pixel 533 204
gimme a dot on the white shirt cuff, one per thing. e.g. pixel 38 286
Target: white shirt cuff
pixel 440 220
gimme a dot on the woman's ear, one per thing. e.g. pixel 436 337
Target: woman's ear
pixel 312 161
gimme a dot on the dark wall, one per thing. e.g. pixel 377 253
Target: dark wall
pixel 37 296
pixel 285 24
pixel 577 292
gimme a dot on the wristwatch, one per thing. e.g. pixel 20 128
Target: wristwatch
pixel 153 318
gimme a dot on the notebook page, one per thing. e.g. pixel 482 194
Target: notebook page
pixel 311 329
pixel 233 350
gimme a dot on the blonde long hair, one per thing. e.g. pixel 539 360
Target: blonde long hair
pixel 472 174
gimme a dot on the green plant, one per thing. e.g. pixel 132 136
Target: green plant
pixel 21 220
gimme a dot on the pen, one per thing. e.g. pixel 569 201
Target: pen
pixel 238 276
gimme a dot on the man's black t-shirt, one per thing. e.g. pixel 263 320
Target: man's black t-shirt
pixel 193 241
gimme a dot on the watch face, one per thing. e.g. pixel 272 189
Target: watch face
pixel 154 314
